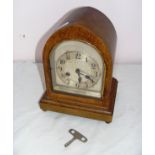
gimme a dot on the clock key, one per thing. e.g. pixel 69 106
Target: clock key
pixel 76 135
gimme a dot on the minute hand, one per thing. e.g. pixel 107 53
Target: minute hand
pixel 86 75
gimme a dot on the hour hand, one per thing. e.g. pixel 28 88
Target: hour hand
pixel 79 79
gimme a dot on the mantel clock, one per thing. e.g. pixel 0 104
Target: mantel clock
pixel 78 63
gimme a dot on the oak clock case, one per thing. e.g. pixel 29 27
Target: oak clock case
pixel 78 61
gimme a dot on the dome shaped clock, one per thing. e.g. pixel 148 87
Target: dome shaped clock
pixel 78 62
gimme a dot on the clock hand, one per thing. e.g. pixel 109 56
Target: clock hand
pixel 79 77
pixel 89 78
pixel 78 71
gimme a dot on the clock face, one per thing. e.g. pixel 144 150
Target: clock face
pixel 77 68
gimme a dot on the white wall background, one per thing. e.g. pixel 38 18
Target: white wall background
pixel 33 18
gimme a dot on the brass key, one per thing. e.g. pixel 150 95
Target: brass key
pixel 76 135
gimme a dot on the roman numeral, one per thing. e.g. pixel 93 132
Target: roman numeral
pixel 67 55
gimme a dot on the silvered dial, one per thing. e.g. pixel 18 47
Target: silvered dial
pixel 77 69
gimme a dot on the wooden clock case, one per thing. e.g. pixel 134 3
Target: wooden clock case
pixel 92 26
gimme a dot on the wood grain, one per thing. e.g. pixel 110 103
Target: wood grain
pixel 89 25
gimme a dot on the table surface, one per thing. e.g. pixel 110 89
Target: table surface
pixel 45 133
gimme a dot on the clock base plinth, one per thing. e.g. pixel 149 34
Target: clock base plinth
pixel 104 114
